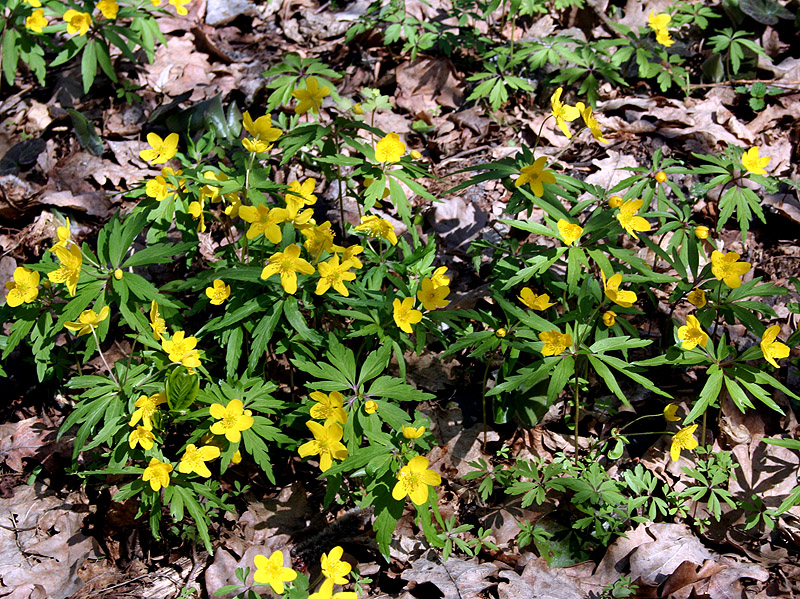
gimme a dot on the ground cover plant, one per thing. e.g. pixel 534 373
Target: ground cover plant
pixel 459 299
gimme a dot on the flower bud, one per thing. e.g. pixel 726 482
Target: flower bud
pixel 118 274
pixel 357 109
pixel 614 202
pixel 701 232
pixel 609 318
pixel 415 154
pixel 500 333
pixel 370 407
pixel 661 177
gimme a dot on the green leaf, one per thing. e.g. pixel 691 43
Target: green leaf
pixel 10 54
pixel 708 394
pixel 89 65
pixel 161 253
pixel 298 322
pixel 85 132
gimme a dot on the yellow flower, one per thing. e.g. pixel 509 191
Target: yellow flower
pixel 180 6
pixel 270 570
pixel 431 296
pixel 311 97
pixel 256 145
pixel 569 232
pixel 109 8
pixel 156 322
pixel 287 263
pixel 390 148
pixel 683 439
pixel 614 202
pixel 71 260
pixel 261 129
pixel 753 163
pixel 328 407
pixel 500 333
pixel 727 268
pixel 161 189
pixel 773 349
pixel 554 342
pixel 629 220
pixel 118 274
pixel 148 406
pixel 319 239
pixel 536 176
pixel 659 23
pixel 302 193
pixel 440 278
pixel 196 210
pixel 77 22
pixel 160 150
pixel 611 288
pixel 63 237
pixel 194 459
pixel 333 568
pixel 218 292
pixel 691 334
pixel 88 321
pixel 370 407
pixel 415 154
pixel 327 444
pixel 409 432
pixel 140 435
pixel 350 254
pixel 157 473
pixel 405 315
pixel 357 109
pixel 591 122
pixel 182 349
pixel 533 301
pixel 669 412
pixel 36 21
pixel 701 232
pixel 660 177
pixel 333 274
pixel 414 479
pixel 233 419
pixel 609 318
pixel 663 37
pixel 377 227
pixel 262 220
pixel 34 3
pixel 24 288
pixel 697 298
pixel 562 112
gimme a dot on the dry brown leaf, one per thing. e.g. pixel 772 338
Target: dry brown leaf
pixel 453 459
pixel 455 578
pixel 41 543
pixel 426 83
pixel 609 170
pixel 23 439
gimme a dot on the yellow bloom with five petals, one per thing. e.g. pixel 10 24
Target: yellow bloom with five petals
pixel 611 289
pixel 375 226
pixel 773 349
pixel 311 97
pixel 24 288
pixel 533 301
pixel 692 334
pixel 431 296
pixel 218 292
pixel 194 459
pixel 141 436
pixel 439 277
pixel 287 264
pixel 404 314
pixel 697 298
pixel 232 419
pixel 77 22
pixel 629 220
pixel 270 570
pixel 327 444
pixel 329 408
pixel 109 8
pixel 157 473
pixel 263 220
pixel 333 274
pixel 182 349
pixel 71 261
pixel 683 439
pixel 728 269
pixel 36 21
pixel 390 148
pixel 570 232
pixel 554 342
pixel 146 409
pixel 88 321
pixel 414 481
pixel 409 432
pixel 160 150
pixel 754 163
pixel 563 112
pixel 536 176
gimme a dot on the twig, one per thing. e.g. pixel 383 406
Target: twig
pixel 787 84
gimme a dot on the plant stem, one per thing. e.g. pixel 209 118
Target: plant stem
pixel 100 351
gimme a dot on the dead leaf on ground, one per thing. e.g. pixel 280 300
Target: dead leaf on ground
pixel 543 582
pixel 23 439
pixel 455 578
pixel 41 543
pixel 426 83
pixel 453 459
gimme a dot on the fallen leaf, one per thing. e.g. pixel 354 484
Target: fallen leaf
pixel 23 439
pixel 455 578
pixel 426 83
